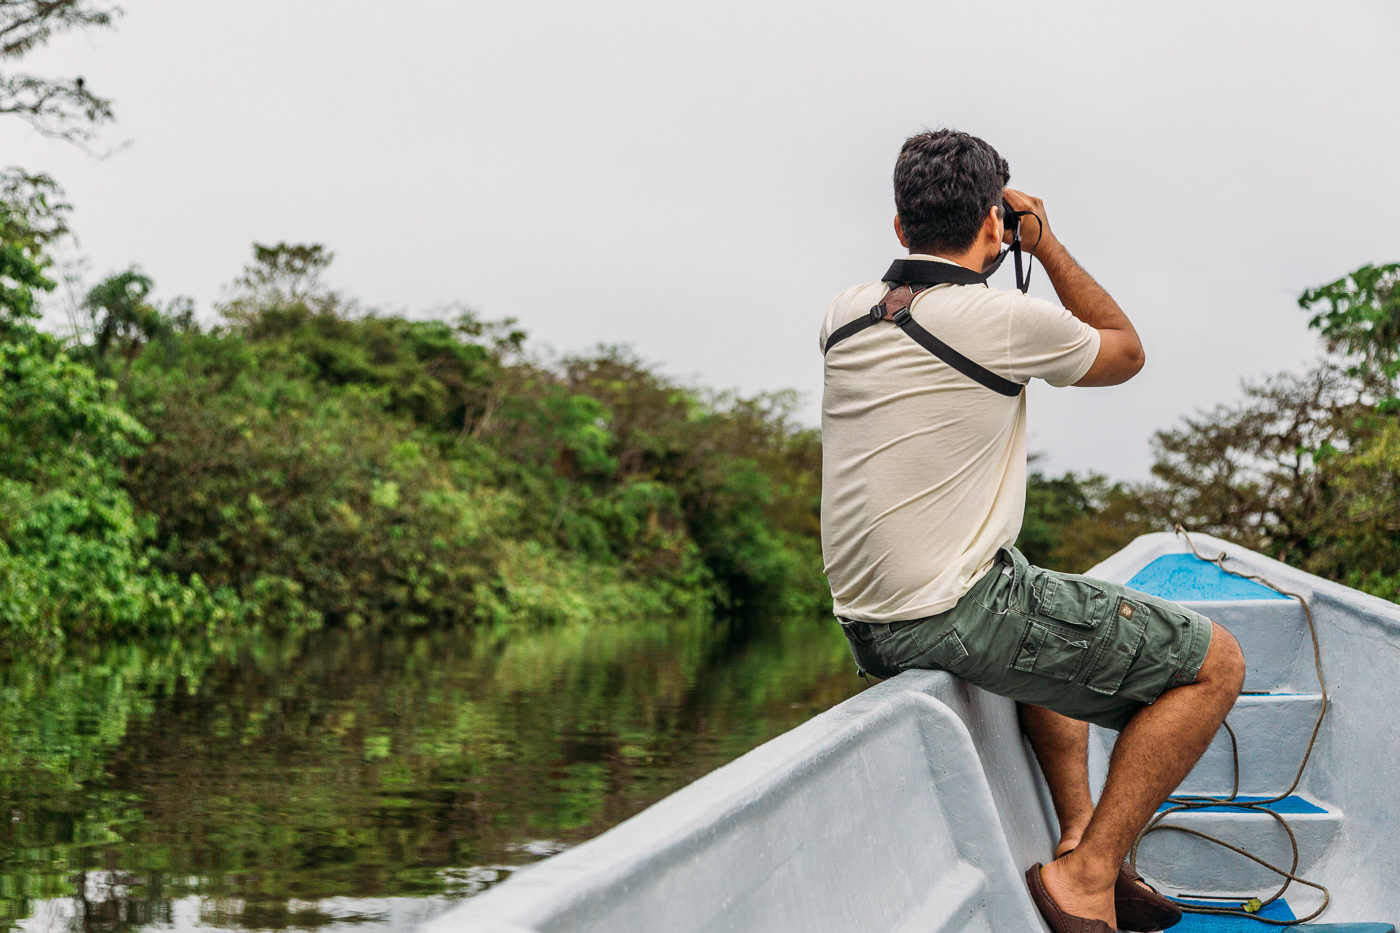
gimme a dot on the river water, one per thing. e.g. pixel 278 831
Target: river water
pixel 361 778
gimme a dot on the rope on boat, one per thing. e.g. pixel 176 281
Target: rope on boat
pixel 1186 803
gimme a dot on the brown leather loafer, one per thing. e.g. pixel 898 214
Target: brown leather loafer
pixel 1141 908
pixel 1059 921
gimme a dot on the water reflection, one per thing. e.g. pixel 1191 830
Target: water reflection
pixel 364 778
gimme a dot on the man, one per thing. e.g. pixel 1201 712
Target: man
pixel 923 491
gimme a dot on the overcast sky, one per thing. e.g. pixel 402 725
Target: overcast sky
pixel 699 180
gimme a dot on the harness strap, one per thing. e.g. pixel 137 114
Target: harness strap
pixel 972 370
pixel 904 275
pixel 847 330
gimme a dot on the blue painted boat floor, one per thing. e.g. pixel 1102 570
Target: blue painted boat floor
pixel 1293 804
pixel 1211 923
pixel 1182 577
pixel 1278 910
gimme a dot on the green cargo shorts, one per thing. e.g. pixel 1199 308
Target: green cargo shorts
pixel 1087 649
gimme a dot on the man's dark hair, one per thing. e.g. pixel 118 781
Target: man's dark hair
pixel 944 183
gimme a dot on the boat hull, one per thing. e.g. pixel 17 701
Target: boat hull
pixel 917 803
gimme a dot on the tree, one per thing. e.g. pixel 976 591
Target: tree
pixel 32 210
pixel 1307 468
pixel 1246 472
pixel 283 276
pixel 1361 541
pixel 1361 323
pixel 31 215
pixel 73 552
pixel 1072 522
pixel 63 108
pixel 20 276
pixel 123 316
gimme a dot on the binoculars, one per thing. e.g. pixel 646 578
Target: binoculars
pixel 1011 219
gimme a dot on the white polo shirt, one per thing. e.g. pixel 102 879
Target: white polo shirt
pixel 923 469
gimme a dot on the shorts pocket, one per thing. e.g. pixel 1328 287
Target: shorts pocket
pixel 870 662
pixel 1049 653
pixel 1070 599
pixel 996 591
pixel 943 655
pixel 1123 639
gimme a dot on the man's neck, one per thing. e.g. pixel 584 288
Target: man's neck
pixel 974 258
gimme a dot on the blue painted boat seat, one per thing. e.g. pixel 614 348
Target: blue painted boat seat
pixel 1186 578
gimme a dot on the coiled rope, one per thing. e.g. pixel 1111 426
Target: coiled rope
pixel 1186 803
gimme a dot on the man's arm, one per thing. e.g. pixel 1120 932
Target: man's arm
pixel 1120 351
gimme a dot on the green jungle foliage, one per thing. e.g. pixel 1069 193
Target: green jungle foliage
pixel 1072 522
pixel 1306 468
pixel 305 461
pixel 74 553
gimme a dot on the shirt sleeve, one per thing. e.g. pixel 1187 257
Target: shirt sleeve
pixel 826 319
pixel 831 310
pixel 1046 341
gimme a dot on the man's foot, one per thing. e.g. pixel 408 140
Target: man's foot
pixel 1067 845
pixel 1055 917
pixel 1077 892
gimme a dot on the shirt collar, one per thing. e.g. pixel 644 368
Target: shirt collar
pixel 926 256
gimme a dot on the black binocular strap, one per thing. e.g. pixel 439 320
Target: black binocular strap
pixel 903 277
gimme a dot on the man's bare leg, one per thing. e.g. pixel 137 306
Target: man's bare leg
pixel 1157 749
pixel 1061 746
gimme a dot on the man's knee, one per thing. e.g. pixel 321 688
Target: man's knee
pixel 1224 662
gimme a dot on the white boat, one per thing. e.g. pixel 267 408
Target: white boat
pixel 917 804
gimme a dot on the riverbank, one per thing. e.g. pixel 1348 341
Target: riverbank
pixel 305 461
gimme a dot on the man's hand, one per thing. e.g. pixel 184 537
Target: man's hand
pixel 1035 231
pixel 1120 351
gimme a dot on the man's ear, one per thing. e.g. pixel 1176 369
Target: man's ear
pixel 899 232
pixel 993 224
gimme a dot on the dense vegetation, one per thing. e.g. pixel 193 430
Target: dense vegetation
pixel 305 460
pixel 1306 468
